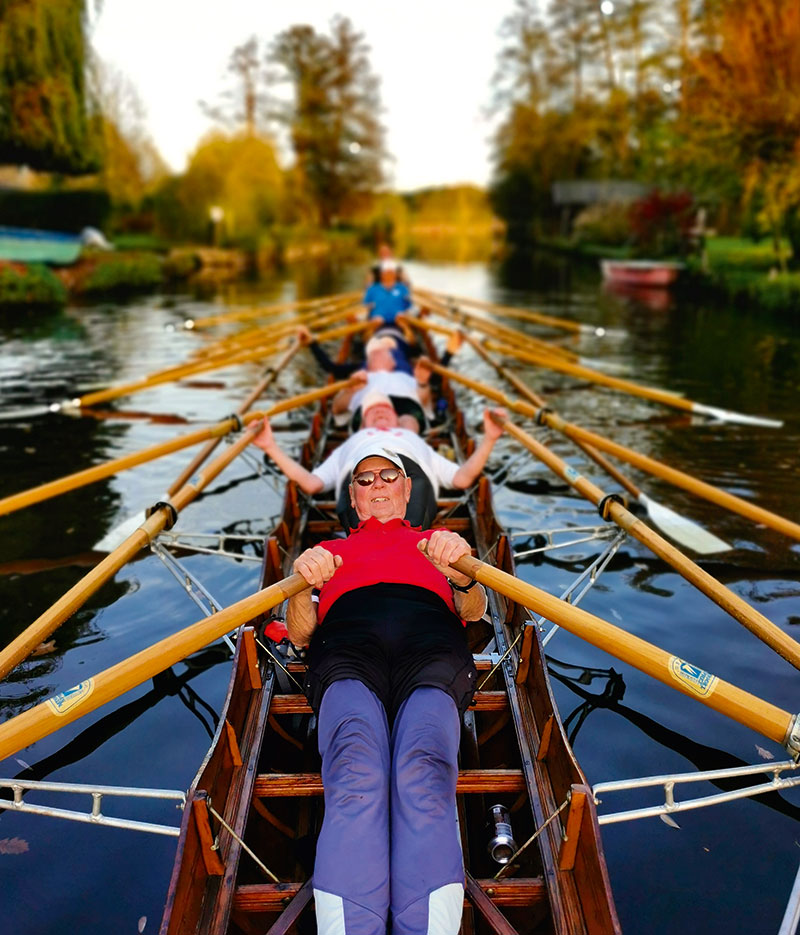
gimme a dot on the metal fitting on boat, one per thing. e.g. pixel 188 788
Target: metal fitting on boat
pixel 502 846
pixel 609 498
pixel 792 739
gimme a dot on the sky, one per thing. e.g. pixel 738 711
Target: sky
pixel 435 59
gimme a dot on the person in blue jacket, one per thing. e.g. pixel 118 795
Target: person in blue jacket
pixel 389 297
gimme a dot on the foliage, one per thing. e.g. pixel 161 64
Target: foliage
pixel 30 285
pixel 244 102
pixel 607 223
pixel 661 223
pixel 239 174
pixel 332 117
pixel 45 119
pixel 122 273
pixel 55 210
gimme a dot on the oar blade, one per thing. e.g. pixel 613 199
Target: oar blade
pixel 682 529
pixel 116 536
pixel 728 415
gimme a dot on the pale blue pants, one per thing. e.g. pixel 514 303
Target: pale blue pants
pixel 389 842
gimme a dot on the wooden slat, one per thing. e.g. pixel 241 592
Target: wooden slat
pixel 274 897
pixel 469 781
pixel 289 915
pixel 297 704
pixel 497 921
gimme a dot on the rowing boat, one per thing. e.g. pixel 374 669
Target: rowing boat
pixel 577 680
pixel 254 808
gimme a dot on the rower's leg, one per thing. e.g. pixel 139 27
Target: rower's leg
pixel 426 864
pixel 351 872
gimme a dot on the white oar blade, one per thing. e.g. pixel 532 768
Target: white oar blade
pixel 726 415
pixel 116 536
pixel 681 529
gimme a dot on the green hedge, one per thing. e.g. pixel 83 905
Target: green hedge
pixel 123 274
pixel 30 285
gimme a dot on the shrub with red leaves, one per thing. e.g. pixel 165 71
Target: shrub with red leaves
pixel 661 223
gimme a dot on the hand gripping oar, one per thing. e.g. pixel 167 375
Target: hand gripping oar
pixel 747 709
pixel 727 500
pixel 90 694
pixel 611 508
pixel 677 527
pixel 163 515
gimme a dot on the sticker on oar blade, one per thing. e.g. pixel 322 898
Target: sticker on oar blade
pixel 571 474
pixel 698 681
pixel 63 702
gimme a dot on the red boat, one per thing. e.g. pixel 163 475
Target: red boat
pixel 641 272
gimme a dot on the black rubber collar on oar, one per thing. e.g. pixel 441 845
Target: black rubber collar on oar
pixel 607 500
pixel 172 512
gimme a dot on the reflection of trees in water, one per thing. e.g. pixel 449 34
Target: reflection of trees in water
pixel 575 678
pixel 458 245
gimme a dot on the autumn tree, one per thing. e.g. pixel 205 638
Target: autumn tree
pixel 331 113
pixel 744 96
pixel 46 120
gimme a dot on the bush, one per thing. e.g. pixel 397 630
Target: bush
pixel 68 211
pixel 661 224
pixel 30 285
pixel 605 223
pixel 123 274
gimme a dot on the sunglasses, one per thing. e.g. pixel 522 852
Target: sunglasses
pixel 387 475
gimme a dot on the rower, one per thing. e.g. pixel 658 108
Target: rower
pixel 389 297
pixel 425 467
pixel 390 673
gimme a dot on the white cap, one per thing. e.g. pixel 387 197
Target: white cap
pixel 389 265
pixel 374 448
pixel 379 343
pixel 374 398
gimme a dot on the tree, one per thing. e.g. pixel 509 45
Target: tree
pixel 243 104
pixel 331 114
pixel 46 120
pixel 744 93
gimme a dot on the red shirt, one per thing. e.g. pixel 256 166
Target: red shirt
pixel 381 553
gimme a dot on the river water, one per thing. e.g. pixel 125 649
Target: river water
pixel 728 868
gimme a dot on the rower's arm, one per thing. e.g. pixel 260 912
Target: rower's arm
pixel 341 401
pixel 472 605
pixel 305 480
pixel 468 473
pixel 301 618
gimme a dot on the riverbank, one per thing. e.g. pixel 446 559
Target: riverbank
pixel 742 272
pixel 146 264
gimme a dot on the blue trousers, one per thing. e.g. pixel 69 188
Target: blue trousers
pixel 389 844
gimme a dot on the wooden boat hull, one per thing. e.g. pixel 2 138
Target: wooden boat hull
pixel 514 751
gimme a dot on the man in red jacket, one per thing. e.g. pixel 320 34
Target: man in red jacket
pixel 390 673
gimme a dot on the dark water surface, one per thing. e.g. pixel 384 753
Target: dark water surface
pixel 727 869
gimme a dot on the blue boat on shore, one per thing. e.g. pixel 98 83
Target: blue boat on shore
pixel 28 245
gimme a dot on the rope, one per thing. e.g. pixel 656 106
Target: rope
pixel 532 838
pixel 262 866
pixel 500 661
pixel 276 660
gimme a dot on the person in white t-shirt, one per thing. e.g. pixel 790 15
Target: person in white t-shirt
pixel 428 469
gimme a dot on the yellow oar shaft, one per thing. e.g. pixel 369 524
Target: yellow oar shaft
pixel 208 449
pixel 553 321
pixel 81 478
pixel 747 709
pixel 63 709
pixel 731 603
pixel 594 376
pixel 502 332
pixel 80 592
pixel 650 465
pixel 272 310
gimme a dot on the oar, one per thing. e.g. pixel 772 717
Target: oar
pixel 563 324
pixel 163 515
pixel 268 311
pixel 90 694
pixel 612 509
pixel 632 389
pixel 747 709
pixel 727 500
pixel 677 527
